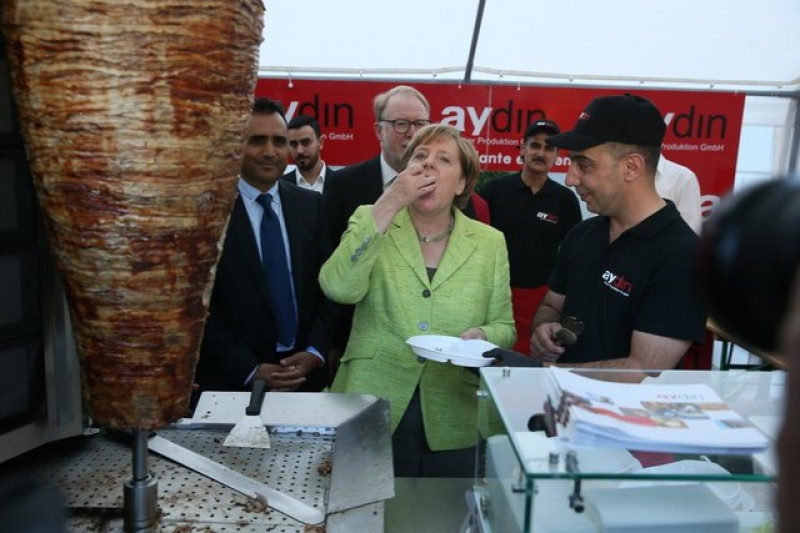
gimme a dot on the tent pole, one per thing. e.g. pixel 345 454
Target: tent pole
pixel 795 145
pixel 474 44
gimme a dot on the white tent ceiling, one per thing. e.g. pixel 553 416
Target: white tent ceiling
pixel 704 44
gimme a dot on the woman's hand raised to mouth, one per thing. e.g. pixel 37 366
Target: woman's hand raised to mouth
pixel 413 182
pixel 410 184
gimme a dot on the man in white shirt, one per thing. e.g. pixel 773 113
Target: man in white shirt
pixel 678 183
pixel 305 145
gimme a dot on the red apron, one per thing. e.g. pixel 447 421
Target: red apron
pixel 525 302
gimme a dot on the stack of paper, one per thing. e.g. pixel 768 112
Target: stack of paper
pixel 680 418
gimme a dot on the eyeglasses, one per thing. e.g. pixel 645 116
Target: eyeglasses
pixel 402 125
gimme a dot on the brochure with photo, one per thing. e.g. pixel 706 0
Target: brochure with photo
pixel 689 418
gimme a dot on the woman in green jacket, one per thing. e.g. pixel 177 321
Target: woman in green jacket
pixel 413 264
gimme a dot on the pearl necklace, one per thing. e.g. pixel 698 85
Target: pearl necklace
pixel 439 236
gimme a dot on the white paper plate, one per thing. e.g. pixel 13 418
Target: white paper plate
pixel 457 351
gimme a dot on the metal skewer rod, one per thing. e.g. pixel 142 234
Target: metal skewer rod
pixel 141 491
pixel 139 455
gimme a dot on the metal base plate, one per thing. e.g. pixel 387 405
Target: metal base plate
pixel 92 478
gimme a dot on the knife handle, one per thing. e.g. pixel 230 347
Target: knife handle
pixel 256 397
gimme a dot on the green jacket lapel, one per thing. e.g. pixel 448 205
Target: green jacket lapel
pixel 459 248
pixel 405 239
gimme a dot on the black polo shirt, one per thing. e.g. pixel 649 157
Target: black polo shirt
pixel 645 280
pixel 533 224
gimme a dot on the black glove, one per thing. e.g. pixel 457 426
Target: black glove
pixel 503 357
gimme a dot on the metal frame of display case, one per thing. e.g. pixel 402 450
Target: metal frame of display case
pixel 513 494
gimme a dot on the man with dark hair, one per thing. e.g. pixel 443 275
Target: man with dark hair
pixel 534 213
pixel 628 274
pixel 305 144
pixel 268 318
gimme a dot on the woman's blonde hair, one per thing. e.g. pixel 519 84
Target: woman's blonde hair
pixel 468 156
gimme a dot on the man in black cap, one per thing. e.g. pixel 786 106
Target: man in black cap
pixel 628 274
pixel 534 213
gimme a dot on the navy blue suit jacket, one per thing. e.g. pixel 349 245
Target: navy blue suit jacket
pixel 240 332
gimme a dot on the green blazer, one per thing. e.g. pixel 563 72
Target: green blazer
pixel 385 277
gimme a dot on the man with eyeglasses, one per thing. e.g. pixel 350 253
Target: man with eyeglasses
pixel 534 213
pixel 399 113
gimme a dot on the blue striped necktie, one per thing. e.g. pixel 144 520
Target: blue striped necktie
pixel 276 272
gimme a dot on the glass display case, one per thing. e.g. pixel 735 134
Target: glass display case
pixel 529 481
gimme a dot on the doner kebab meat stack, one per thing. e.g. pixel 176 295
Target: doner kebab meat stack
pixel 133 113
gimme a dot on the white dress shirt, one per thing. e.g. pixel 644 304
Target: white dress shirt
pixel 255 212
pixel 318 185
pixel 678 183
pixel 387 172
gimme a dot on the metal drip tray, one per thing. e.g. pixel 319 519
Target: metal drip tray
pixel 341 465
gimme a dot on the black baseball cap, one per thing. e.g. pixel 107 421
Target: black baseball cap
pixel 626 119
pixel 541 125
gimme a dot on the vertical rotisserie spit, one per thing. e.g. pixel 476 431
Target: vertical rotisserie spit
pixel 133 114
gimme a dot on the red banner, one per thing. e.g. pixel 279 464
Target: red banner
pixel 702 128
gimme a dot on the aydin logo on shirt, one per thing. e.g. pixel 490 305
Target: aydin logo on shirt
pixel 617 283
pixel 547 217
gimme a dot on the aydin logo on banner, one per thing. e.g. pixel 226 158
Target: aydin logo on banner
pixel 328 114
pixel 693 129
pixel 692 124
pixel 508 119
pixel 617 283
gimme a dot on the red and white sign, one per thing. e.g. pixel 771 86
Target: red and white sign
pixel 703 128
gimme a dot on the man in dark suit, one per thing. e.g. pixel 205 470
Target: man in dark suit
pixel 247 335
pixel 305 146
pixel 399 113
